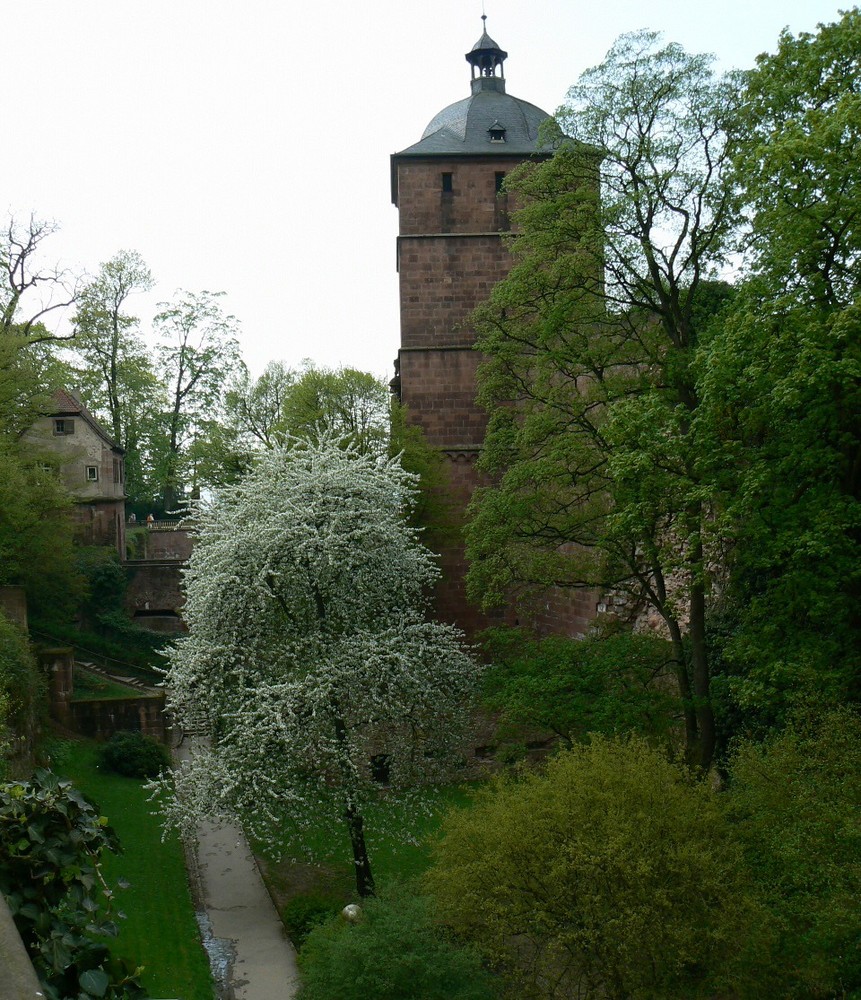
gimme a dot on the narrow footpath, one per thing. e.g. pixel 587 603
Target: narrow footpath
pixel 249 952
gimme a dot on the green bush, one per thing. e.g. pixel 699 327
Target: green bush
pixel 105 580
pixel 134 755
pixel 22 687
pixel 301 914
pixel 52 839
pixel 395 951
pixel 611 874
pixel 611 682
pixel 795 803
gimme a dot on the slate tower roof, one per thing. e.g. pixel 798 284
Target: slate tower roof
pixel 489 120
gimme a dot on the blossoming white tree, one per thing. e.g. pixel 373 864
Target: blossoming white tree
pixel 308 653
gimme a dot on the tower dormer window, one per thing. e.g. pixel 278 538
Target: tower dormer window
pixel 497 132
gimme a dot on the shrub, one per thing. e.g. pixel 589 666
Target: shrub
pixel 611 874
pixel 134 755
pixel 394 951
pixel 22 687
pixel 795 801
pixel 51 842
pixel 612 682
pixel 105 580
pixel 301 914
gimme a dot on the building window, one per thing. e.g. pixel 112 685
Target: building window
pixel 497 132
pixel 64 426
pixel 118 470
pixel 446 183
pixel 92 473
pixel 500 180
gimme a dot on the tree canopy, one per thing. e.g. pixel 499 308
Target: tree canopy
pixel 782 382
pixel 594 440
pixel 612 873
pixel 658 433
pixel 308 651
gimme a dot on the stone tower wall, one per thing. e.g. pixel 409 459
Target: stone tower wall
pixel 451 252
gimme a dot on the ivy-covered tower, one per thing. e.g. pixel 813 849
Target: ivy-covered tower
pixel 453 213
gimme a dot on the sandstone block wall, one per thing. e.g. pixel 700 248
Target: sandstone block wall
pixel 473 205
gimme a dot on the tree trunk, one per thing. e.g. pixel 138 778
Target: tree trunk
pixel 700 677
pixel 685 693
pixel 364 877
pixel 355 822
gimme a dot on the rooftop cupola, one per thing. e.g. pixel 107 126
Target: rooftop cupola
pixel 486 58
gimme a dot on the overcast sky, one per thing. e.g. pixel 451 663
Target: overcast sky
pixel 244 147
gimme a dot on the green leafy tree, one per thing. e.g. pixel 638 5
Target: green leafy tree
pixel 394 950
pixel 435 511
pixel 52 841
pixel 36 539
pixel 797 161
pixel 343 402
pixel 116 377
pixel 105 585
pixel 28 375
pixel 257 406
pixel 198 351
pixel 610 683
pixel 593 440
pixel 794 802
pixel 106 338
pixel 612 874
pixel 308 650
pixel 782 386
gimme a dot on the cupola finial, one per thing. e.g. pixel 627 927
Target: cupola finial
pixel 486 57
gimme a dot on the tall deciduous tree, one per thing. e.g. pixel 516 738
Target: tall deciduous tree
pixel 30 290
pixel 117 377
pixel 105 335
pixel 593 437
pixel 783 381
pixel 256 406
pixel 344 402
pixel 308 652
pixel 198 351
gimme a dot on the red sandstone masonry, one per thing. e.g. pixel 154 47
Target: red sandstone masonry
pixel 451 253
pixel 472 206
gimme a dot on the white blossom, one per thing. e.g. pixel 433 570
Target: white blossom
pixel 308 649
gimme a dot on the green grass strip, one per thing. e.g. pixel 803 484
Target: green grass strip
pixel 161 931
pixel 88 686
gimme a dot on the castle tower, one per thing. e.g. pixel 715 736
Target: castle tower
pixel 453 214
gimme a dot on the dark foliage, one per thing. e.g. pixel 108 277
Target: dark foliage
pixel 302 914
pixel 51 841
pixel 134 755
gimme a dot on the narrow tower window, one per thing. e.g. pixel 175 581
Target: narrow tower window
pixel 446 183
pixel 500 180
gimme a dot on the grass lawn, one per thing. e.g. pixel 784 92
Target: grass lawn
pixel 88 685
pixel 161 931
pixel 397 839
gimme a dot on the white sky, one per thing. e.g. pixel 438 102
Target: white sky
pixel 244 146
